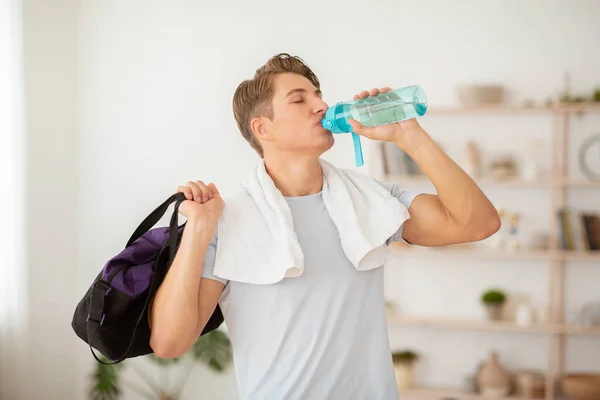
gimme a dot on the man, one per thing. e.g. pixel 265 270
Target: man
pixel 321 335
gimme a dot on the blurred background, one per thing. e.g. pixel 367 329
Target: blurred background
pixel 107 106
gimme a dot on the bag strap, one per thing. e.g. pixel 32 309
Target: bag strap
pixel 153 218
pixel 100 287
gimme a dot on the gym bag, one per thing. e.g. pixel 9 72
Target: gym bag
pixel 112 316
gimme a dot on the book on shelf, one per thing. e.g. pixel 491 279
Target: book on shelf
pixel 579 230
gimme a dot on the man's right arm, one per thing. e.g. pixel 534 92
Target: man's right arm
pixel 185 301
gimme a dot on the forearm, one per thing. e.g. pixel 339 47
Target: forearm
pixel 174 313
pixel 461 197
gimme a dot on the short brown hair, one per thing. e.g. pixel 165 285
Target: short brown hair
pixel 253 97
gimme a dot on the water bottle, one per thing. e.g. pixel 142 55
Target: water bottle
pixel 382 109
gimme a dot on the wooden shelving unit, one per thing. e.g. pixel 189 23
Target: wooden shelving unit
pixel 558 183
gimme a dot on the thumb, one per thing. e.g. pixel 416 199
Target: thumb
pixel 360 129
pixel 214 190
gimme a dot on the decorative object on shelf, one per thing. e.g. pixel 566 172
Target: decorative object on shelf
pixel 474 95
pixel 579 230
pixel 529 384
pixel 567 97
pixel 404 364
pixel 513 231
pixel 524 315
pixel 470 384
pixel 472 159
pixel 492 379
pixel 515 301
pixel 541 314
pixel 589 314
pixel 494 301
pixel 581 386
pixel 531 168
pixel 589 157
pixel 503 167
pixel 539 241
pixel 397 162
pixel 393 159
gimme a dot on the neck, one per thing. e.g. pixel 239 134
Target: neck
pixel 299 177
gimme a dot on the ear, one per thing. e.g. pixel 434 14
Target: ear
pixel 259 128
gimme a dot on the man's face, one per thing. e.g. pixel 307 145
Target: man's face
pixel 297 113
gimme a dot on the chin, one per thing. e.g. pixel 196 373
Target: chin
pixel 327 144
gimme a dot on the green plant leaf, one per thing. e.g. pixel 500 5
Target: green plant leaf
pixel 493 296
pixel 214 350
pixel 105 382
pixel 404 356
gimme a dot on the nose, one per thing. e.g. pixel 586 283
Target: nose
pixel 320 107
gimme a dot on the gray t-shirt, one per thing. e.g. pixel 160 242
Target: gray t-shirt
pixel 320 336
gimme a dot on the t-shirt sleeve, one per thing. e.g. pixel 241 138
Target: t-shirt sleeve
pixel 209 261
pixel 405 197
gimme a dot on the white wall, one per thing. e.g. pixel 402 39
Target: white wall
pixel 153 101
pixel 50 70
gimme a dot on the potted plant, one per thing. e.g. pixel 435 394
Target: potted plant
pixel 404 361
pixel 494 300
pixel 213 350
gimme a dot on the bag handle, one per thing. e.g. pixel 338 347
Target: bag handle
pixel 145 226
pixel 155 216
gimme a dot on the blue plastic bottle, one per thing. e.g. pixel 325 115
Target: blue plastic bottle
pixel 385 108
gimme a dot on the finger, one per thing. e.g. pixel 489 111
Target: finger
pixel 374 92
pixel 196 192
pixel 186 191
pixel 205 192
pixel 362 94
pixel 215 191
pixel 385 90
pixel 360 129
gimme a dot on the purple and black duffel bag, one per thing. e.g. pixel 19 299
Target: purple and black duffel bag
pixel 112 316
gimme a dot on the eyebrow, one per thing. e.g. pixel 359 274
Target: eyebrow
pixel 300 90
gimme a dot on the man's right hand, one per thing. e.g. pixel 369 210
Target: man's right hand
pixel 203 201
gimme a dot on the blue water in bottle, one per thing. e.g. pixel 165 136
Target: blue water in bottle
pixel 385 108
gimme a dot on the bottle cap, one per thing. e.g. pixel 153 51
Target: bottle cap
pixel 328 123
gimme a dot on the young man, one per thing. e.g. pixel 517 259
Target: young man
pixel 321 335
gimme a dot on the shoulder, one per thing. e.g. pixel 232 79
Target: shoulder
pixel 404 195
pixel 394 189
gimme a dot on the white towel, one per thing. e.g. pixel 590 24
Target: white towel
pixel 256 239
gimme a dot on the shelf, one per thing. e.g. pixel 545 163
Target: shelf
pixel 578 330
pixel 513 109
pixel 517 183
pixel 580 255
pixel 574 183
pixel 465 252
pixel 441 393
pixel 471 253
pixel 483 325
pixel 466 324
